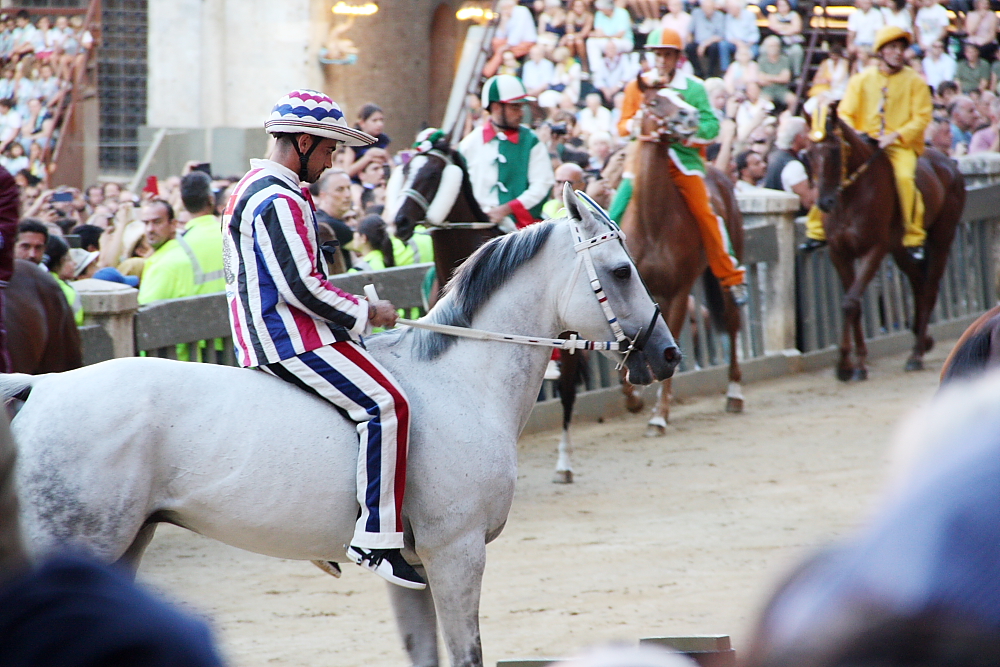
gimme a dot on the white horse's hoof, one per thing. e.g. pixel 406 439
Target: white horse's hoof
pixel 654 431
pixel 563 477
pixel 656 427
pixel 328 566
pixel 734 404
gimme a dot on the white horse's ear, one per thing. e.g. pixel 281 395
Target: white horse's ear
pixel 579 211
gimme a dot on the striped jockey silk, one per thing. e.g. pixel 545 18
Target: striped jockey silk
pixel 280 301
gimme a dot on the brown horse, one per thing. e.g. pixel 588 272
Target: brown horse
pixel 977 350
pixel 863 224
pixel 422 182
pixel 665 242
pixel 41 332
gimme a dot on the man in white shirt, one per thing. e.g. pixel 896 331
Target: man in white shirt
pixel 785 171
pixel 515 33
pixel 537 71
pixel 931 24
pixel 862 25
pixel 10 123
pixel 938 65
pixel 594 117
pixel 611 73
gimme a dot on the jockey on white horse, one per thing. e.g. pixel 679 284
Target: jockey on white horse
pixel 289 321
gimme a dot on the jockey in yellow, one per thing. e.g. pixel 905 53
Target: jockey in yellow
pixel 891 103
pixel 687 164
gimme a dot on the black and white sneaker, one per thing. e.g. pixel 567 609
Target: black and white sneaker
pixel 388 564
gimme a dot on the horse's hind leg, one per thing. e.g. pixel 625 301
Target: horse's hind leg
pixel 569 374
pixel 417 623
pixel 133 555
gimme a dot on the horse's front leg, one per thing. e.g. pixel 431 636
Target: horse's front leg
pixel 868 267
pixel 675 312
pixel 455 571
pixel 417 623
pixel 734 393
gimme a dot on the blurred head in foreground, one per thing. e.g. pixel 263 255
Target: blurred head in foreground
pixel 920 583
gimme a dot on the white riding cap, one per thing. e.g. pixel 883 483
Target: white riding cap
pixel 311 112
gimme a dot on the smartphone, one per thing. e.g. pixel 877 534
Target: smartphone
pixel 152 186
pixel 62 197
pixel 203 166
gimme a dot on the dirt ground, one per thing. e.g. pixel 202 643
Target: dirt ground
pixel 684 534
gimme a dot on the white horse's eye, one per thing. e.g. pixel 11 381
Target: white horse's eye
pixel 622 272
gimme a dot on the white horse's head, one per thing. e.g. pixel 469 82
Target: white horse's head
pixel 618 299
pixel 571 259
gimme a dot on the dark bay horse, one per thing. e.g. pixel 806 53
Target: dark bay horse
pixel 977 350
pixel 426 177
pixel 665 242
pixel 863 224
pixel 441 171
pixel 41 332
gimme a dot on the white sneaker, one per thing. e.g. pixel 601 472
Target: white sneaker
pixel 552 371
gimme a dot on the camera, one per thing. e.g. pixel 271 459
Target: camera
pixel 558 129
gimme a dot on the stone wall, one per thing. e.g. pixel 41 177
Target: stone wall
pixel 223 63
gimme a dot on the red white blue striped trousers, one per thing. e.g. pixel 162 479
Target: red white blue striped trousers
pixel 347 376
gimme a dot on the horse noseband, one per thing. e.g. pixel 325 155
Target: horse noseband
pixel 642 335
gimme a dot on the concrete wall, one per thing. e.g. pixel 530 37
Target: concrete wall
pixel 223 63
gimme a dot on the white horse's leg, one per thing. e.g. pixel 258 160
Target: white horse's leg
pixel 133 555
pixel 417 623
pixel 564 469
pixel 455 571
pixel 657 425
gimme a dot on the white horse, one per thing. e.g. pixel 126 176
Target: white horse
pixel 255 462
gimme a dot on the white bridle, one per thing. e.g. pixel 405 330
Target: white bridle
pixel 622 343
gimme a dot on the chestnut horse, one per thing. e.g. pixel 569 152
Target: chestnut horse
pixel 436 182
pixel 665 242
pixel 863 224
pixel 41 333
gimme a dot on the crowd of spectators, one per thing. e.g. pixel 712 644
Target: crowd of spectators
pixel 39 63
pixel 577 56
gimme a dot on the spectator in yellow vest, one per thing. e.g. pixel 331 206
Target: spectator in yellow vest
pixel 168 273
pixel 202 238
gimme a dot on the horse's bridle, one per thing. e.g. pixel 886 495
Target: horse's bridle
pixel 583 248
pixel 424 205
pixel 622 343
pixel 847 180
pixel 662 128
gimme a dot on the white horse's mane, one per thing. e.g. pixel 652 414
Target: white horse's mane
pixel 486 271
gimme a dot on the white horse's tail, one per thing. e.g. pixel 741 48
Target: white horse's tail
pixel 16 385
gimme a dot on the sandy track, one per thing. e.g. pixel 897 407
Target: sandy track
pixel 677 535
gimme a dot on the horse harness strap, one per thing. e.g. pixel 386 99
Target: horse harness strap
pixel 200 277
pixel 847 180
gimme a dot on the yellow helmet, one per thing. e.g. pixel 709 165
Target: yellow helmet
pixel 891 33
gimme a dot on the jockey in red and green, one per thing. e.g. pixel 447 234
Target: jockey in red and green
pixel 509 167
